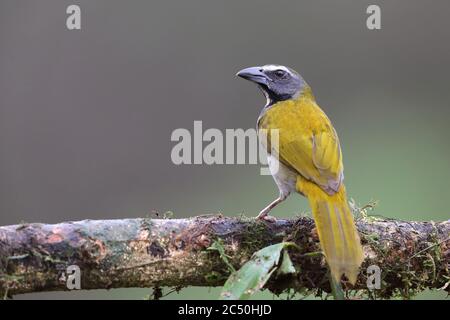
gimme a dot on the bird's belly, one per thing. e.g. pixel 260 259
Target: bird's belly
pixel 284 177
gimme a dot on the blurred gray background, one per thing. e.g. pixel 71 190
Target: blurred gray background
pixel 86 116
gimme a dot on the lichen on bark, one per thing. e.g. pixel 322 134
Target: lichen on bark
pixel 413 256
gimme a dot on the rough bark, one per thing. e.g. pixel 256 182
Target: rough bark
pixel 144 252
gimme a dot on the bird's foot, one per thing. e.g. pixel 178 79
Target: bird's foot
pixel 265 217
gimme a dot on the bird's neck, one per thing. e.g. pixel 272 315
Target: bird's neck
pixel 304 93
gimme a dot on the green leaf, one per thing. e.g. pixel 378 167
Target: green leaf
pixel 286 266
pixel 254 273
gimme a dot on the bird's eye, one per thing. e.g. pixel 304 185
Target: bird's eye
pixel 280 73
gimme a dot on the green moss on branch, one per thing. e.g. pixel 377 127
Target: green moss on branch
pixel 413 256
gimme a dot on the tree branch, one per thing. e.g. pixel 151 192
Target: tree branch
pixel 144 252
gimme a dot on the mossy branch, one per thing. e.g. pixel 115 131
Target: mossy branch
pixel 413 256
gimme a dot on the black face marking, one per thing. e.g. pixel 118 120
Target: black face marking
pixel 278 74
pixel 278 83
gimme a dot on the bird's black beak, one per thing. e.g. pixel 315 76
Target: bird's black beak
pixel 255 74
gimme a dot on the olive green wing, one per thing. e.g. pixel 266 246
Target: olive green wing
pixel 308 144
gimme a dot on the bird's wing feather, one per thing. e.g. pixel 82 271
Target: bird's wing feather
pixel 308 143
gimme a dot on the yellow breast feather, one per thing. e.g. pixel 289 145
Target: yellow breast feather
pixel 308 142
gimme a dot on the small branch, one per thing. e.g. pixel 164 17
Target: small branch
pixel 413 256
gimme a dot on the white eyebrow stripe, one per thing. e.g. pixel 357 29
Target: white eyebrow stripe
pixel 273 67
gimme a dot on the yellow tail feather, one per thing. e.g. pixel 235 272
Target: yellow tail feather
pixel 337 232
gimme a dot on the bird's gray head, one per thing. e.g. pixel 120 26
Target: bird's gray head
pixel 277 82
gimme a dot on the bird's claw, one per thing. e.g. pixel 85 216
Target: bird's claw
pixel 266 217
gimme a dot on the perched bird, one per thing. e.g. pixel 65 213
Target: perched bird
pixel 308 161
